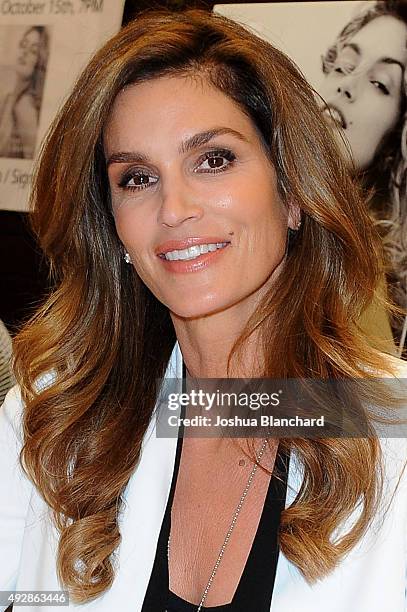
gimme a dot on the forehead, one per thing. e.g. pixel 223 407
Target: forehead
pixel 384 36
pixel 171 108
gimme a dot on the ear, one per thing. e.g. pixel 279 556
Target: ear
pixel 294 216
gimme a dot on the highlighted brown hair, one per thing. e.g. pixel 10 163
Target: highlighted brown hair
pixel 108 339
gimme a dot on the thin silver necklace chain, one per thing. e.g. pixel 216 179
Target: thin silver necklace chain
pixel 229 533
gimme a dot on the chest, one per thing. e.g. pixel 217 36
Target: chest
pixel 217 494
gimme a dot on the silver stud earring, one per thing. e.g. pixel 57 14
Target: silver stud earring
pixel 127 258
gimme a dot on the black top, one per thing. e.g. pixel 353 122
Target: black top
pixel 255 588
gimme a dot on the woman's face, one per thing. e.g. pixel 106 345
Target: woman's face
pixel 194 195
pixel 363 91
pixel 28 53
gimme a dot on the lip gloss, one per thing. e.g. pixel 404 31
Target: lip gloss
pixel 181 266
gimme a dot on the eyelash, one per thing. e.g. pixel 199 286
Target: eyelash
pixel 132 174
pixel 381 88
pixel 226 153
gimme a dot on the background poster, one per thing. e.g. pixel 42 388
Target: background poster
pixel 44 44
pixel 354 55
pixel 302 30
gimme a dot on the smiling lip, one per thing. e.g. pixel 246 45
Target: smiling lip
pixel 182 266
pixel 336 115
pixel 178 245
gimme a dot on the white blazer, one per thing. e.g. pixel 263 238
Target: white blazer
pixel 370 579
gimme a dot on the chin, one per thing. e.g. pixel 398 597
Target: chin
pixel 198 309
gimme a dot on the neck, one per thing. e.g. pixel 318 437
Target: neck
pixel 206 343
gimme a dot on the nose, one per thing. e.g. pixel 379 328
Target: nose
pixel 178 205
pixel 348 87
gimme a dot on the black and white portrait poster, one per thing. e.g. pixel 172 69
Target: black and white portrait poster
pixel 354 54
pixel 44 44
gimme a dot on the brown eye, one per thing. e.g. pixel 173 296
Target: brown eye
pixel 141 179
pixel 215 161
pixel 137 180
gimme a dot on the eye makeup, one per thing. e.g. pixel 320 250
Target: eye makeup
pixel 205 164
pixel 213 155
pixel 136 174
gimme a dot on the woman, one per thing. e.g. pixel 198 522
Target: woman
pixel 365 93
pixel 164 197
pixel 20 108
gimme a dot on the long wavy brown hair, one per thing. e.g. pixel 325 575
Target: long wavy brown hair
pixel 105 338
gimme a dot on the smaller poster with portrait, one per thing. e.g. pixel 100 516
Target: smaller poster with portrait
pixel 24 52
pixel 44 44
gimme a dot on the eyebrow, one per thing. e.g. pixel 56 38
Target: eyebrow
pixel 187 145
pixel 382 60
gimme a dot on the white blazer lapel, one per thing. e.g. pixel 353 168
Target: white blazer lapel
pixel 145 503
pixel 286 570
pixel 145 500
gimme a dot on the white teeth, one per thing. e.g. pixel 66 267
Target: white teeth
pixel 194 251
pixel 335 116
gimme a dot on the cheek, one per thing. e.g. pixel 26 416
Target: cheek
pixel 256 199
pixel 377 115
pixel 270 214
pixel 379 132
pixel 369 130
pixel 266 223
pixel 390 119
pixel 132 231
